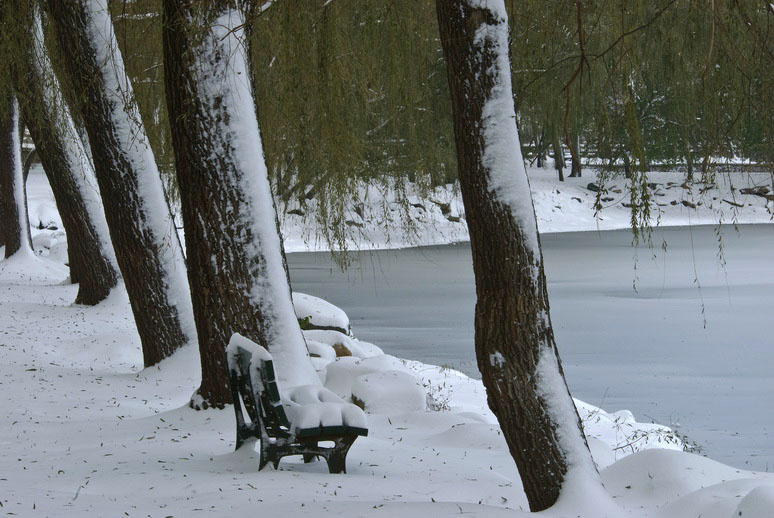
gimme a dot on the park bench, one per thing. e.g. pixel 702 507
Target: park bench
pixel 292 423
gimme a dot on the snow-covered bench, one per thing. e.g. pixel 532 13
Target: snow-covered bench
pixel 293 422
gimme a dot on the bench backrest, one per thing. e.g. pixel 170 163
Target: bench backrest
pixel 253 379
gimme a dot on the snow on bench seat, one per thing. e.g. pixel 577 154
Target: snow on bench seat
pixel 315 410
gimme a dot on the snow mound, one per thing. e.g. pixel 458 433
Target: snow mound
pixel 24 267
pixel 759 503
pixel 614 435
pixel 656 477
pixel 389 392
pixel 343 344
pixel 320 314
pixel 320 350
pixel 341 374
pixel 476 436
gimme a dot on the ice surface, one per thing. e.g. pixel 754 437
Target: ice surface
pixel 645 350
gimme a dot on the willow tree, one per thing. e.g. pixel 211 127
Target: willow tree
pixel 65 161
pixel 515 346
pixel 14 222
pixel 235 267
pixel 141 227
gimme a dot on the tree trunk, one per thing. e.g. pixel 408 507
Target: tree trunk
pixel 576 171
pixel 689 164
pixel 234 255
pixel 69 171
pixel 14 221
pixel 515 345
pixel 627 166
pixel 541 150
pixel 558 156
pixel 141 228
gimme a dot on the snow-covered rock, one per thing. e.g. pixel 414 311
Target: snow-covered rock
pixel 389 392
pixel 341 374
pixel 343 345
pixel 320 314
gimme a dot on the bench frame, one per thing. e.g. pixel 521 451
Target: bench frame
pixel 268 422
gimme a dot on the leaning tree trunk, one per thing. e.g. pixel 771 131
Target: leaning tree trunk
pixel 141 227
pixel 515 344
pixel 67 166
pixel 235 265
pixel 14 221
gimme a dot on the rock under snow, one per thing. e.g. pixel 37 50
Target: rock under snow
pixel 320 313
pixel 389 392
pixel 341 374
pixel 343 344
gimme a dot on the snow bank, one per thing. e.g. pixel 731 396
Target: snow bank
pixel 438 217
pixel 341 374
pixel 389 392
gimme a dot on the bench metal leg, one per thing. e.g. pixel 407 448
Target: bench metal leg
pixel 337 456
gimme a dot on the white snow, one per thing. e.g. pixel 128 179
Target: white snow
pixel 312 406
pixel 346 344
pixel 390 392
pixel 88 433
pixel 319 312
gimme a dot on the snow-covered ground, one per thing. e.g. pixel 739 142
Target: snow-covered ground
pixel 87 433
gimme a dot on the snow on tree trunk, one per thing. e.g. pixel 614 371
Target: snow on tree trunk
pixel 141 227
pixel 514 339
pixel 68 168
pixel 15 224
pixel 234 255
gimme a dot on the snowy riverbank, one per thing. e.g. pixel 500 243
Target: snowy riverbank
pixel 376 221
pixel 88 433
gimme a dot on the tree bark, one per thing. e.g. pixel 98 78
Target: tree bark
pixel 141 228
pixel 576 170
pixel 558 155
pixel 515 346
pixel 68 168
pixel 235 263
pixel 14 221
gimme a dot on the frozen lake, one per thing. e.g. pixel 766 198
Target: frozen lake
pixel 646 350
